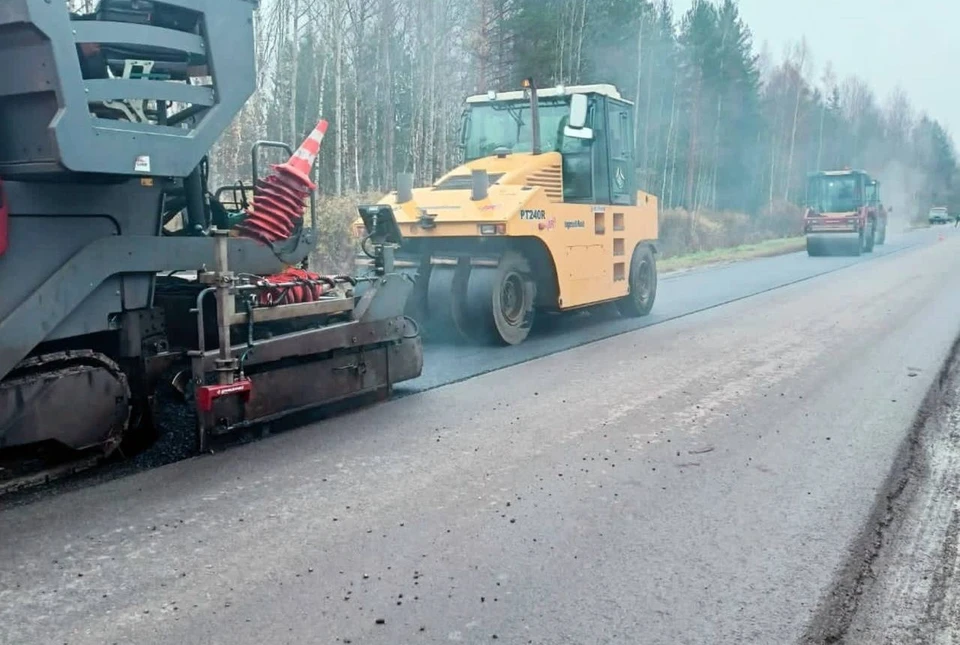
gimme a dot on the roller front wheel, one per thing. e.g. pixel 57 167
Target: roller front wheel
pixel 500 301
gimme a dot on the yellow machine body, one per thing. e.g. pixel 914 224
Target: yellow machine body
pixel 550 223
pixel 590 245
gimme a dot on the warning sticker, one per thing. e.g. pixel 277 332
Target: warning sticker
pixel 142 164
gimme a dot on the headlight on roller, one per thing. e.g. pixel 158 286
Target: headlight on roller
pixel 493 229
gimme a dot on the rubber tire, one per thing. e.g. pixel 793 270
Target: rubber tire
pixel 442 319
pixel 858 247
pixel 871 239
pixel 416 306
pixel 483 302
pixel 634 304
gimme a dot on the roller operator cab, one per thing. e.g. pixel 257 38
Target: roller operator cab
pixel 844 208
pixel 542 217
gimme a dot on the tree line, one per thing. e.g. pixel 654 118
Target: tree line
pixel 721 124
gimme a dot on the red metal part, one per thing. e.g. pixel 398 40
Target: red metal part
pixel 207 394
pixel 4 221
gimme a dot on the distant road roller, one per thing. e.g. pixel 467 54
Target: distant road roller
pixel 844 208
pixel 542 217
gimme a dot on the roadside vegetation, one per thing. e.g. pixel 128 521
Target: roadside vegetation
pixel 687 239
pixel 765 249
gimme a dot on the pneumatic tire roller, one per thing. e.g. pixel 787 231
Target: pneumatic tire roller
pixel 543 220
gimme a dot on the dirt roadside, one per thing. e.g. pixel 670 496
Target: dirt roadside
pixel 901 585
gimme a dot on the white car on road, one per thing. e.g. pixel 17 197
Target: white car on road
pixel 938 215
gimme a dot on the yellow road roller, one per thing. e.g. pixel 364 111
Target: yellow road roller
pixel 542 217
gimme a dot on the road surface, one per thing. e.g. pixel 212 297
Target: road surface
pixel 707 479
pixel 680 294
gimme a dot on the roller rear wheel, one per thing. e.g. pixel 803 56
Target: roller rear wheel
pixel 643 284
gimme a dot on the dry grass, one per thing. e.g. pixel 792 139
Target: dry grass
pixel 336 246
pixel 763 249
pixel 685 233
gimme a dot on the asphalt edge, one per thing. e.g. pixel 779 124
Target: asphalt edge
pixel 837 608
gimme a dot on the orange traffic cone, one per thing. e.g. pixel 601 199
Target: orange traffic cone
pixel 279 199
pixel 299 165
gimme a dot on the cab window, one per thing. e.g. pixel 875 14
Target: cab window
pixel 577 163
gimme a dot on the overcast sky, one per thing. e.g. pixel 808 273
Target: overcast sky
pixel 913 43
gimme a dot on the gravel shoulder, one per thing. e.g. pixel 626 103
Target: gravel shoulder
pixel 909 592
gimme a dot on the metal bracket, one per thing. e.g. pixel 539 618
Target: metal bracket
pixel 132 109
pixel 360 367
